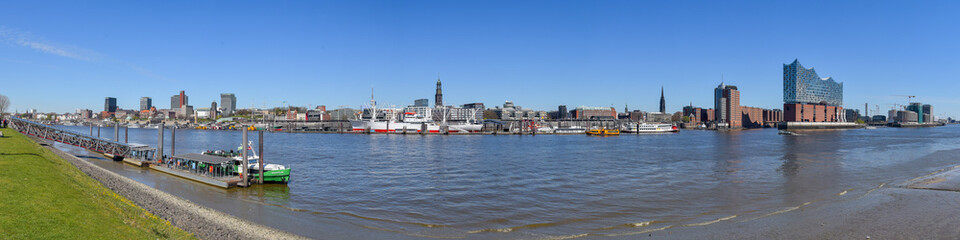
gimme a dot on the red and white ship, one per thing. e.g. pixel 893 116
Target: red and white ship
pixel 409 119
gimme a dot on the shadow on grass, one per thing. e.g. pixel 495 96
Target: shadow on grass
pixel 17 154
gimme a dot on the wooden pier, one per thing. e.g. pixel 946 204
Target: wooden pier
pixel 223 183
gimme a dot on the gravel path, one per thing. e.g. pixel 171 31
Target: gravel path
pixel 203 222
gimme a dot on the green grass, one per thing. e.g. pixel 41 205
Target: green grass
pixel 42 196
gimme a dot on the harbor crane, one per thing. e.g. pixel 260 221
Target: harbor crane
pixel 909 97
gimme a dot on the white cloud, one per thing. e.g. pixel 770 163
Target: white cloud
pixel 26 40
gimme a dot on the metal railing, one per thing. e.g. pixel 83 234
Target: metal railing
pixel 67 137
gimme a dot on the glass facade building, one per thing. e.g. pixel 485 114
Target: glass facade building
pixel 804 86
pixel 228 102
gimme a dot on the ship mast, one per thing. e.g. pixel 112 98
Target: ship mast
pixel 373 107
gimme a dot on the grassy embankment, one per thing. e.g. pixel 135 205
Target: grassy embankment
pixel 42 196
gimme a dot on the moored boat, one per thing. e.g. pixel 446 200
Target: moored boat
pixel 649 128
pixel 603 132
pixel 271 172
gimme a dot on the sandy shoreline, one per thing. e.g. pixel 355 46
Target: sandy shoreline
pixel 926 207
pixel 202 221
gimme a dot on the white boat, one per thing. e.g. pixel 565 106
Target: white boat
pixel 252 158
pixel 574 130
pixel 409 119
pixel 133 125
pixel 641 127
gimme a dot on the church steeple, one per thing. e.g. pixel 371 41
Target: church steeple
pixel 439 97
pixel 663 102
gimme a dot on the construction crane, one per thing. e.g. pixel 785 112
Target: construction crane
pixel 909 98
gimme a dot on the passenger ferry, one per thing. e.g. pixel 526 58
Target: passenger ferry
pixel 271 172
pixel 650 128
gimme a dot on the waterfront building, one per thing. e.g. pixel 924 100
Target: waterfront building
pixel 479 109
pixel 726 101
pixel 474 105
pixel 146 103
pixel 694 114
pixel 907 117
pixel 110 105
pixel 439 96
pixel 318 114
pixel 228 102
pixel 185 111
pixel 423 102
pixel 584 112
pixel 205 113
pixel 809 98
pixel 562 112
pixel 851 114
pixel 176 101
pixel 750 117
pixel 85 113
pixel 663 102
pixel 771 116
pixel 511 112
pixel 456 114
pixel 923 111
pixel 658 117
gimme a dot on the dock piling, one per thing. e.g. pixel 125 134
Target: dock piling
pixel 160 142
pixel 126 135
pixel 243 165
pixel 173 140
pixel 260 159
pixel 116 131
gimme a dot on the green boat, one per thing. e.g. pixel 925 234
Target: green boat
pixel 275 173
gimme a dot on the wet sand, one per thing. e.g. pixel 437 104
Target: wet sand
pixel 927 207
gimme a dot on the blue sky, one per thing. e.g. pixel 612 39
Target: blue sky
pixel 59 56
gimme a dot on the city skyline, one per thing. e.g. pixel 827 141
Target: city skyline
pixel 331 53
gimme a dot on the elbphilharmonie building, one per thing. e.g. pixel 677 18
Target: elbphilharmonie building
pixel 809 98
pixel 804 86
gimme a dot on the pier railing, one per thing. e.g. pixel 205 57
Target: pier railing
pixel 105 146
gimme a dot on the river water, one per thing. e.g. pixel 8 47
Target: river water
pixel 357 186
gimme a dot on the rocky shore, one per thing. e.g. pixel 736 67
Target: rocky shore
pixel 204 222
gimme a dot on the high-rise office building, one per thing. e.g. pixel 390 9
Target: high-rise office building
pixel 726 101
pixel 175 101
pixel 423 102
pixel 229 103
pixel 562 112
pixel 809 98
pixel 146 103
pixel 110 104
pixel 179 100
